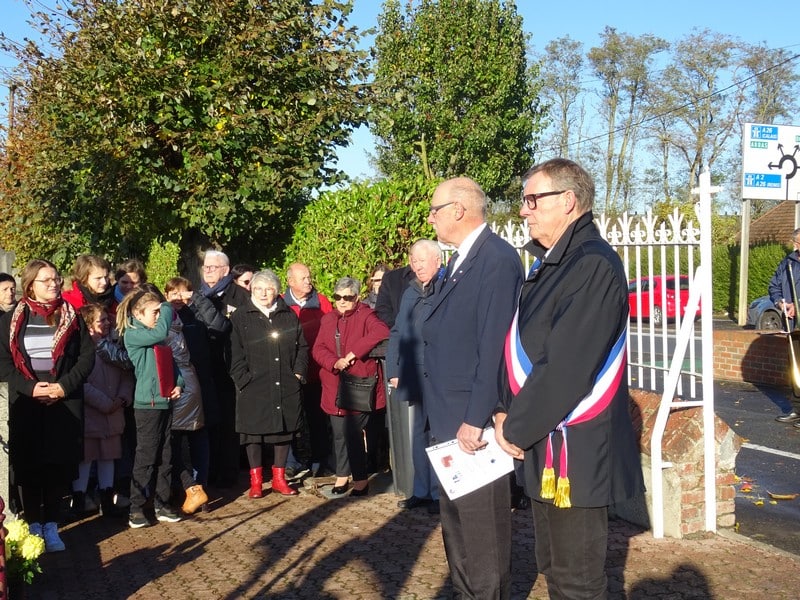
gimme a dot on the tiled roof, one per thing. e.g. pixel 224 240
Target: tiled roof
pixel 775 225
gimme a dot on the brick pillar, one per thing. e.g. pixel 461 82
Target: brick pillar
pixel 684 481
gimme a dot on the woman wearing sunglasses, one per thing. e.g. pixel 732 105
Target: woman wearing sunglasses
pixel 346 336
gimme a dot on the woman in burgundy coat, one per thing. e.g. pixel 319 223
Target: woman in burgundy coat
pixel 359 331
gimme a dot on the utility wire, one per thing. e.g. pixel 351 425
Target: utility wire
pixel 741 82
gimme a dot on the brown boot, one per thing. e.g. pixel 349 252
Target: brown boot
pixel 195 498
pixel 256 481
pixel 279 482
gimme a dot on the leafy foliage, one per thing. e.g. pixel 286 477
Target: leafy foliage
pixel 763 261
pixel 153 119
pixel 162 262
pixel 347 232
pixel 456 96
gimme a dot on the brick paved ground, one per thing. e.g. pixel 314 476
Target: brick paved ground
pixel 367 548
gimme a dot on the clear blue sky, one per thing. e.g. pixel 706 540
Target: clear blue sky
pixel 774 24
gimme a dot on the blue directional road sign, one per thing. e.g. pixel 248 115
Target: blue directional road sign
pixel 770 160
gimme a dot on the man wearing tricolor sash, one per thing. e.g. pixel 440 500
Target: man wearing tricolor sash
pixel 565 410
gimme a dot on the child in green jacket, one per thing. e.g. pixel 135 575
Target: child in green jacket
pixel 144 322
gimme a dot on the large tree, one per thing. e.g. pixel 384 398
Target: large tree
pixel 204 121
pixel 623 65
pixel 562 68
pixel 457 96
pixel 707 112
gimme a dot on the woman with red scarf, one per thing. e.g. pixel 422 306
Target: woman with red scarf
pixel 46 354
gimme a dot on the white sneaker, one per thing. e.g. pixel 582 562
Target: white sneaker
pixel 52 542
pixel 36 529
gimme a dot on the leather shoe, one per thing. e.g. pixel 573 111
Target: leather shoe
pixel 338 490
pixel 790 417
pixel 358 493
pixel 433 507
pixel 412 502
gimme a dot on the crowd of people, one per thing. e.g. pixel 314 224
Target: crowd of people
pixel 147 397
pixel 157 395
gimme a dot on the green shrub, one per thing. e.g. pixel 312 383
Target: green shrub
pixel 347 232
pixel 762 262
pixel 162 262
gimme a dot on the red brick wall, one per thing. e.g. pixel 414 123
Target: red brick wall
pixel 752 356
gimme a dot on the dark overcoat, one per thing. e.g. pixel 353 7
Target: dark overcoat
pixel 39 434
pixel 267 354
pixel 405 357
pixel 571 312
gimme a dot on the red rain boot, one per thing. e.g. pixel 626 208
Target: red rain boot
pixel 279 482
pixel 256 481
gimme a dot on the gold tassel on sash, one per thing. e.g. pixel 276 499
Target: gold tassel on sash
pixel 548 483
pixel 562 493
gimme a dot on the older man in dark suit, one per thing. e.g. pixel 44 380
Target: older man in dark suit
pixel 463 337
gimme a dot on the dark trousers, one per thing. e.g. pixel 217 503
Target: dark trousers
pixel 152 462
pixel 348 444
pixel 123 466
pixel 571 548
pixel 477 540
pixel 318 424
pixel 223 437
pixel 41 493
pixel 197 471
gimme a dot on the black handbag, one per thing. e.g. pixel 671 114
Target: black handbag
pixel 355 393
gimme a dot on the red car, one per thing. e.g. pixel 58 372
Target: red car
pixel 664 305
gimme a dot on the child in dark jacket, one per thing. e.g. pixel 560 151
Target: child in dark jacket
pixel 144 322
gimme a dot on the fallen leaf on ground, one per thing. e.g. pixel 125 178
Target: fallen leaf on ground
pixel 782 496
pixel 746 487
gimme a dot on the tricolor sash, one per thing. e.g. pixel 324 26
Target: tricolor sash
pixel 519 367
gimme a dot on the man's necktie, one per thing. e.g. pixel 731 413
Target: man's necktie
pixel 450 265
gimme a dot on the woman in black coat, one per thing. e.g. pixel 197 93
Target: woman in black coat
pixel 269 358
pixel 46 354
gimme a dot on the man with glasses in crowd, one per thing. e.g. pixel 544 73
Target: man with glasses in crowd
pixel 219 287
pixel 565 370
pixel 463 337
pixel 309 306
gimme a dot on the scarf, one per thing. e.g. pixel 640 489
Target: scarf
pixel 265 310
pixel 106 298
pixel 219 287
pixel 118 295
pixel 67 324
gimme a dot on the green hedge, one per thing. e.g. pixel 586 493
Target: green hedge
pixel 347 232
pixel 763 261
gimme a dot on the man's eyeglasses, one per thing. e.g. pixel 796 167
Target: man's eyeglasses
pixel 346 298
pixel 211 267
pixel 438 207
pixel 49 280
pixel 531 199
